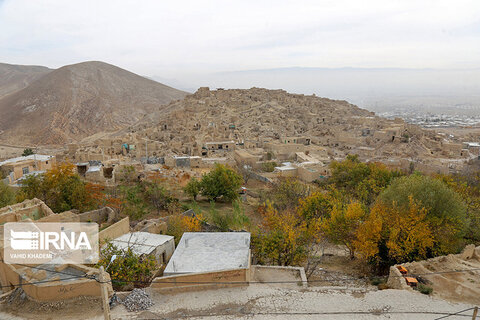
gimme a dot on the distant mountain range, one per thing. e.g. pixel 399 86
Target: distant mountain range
pixel 44 106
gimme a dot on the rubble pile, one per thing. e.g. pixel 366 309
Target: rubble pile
pixel 137 300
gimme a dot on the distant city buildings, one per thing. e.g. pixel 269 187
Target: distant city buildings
pixel 432 120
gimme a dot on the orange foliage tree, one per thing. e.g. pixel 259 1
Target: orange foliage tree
pixel 60 188
pixel 99 198
pixel 178 224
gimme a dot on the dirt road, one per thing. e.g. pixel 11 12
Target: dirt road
pixel 262 301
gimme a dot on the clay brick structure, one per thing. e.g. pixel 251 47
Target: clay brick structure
pixel 17 168
pixel 228 126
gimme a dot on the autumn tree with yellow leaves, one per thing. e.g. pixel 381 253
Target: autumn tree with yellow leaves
pixel 178 224
pixel 342 224
pixel 317 205
pixel 393 234
pixel 446 211
pixel 60 188
pixel 283 237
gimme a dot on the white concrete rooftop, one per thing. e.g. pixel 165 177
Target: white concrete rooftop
pixel 210 251
pixel 141 242
pixel 37 157
pixel 94 168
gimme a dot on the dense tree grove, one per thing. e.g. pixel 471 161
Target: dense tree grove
pixel 287 193
pixel 362 181
pixel 381 215
pixel 445 210
pixel 143 197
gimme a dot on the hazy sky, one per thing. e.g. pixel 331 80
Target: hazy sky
pixel 175 38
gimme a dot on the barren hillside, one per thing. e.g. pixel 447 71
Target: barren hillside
pixel 16 77
pixel 79 100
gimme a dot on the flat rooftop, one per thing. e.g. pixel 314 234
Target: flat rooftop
pixel 35 157
pixel 210 251
pixel 141 242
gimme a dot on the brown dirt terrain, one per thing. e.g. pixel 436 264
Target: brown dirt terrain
pixel 16 77
pixel 79 100
pixel 17 306
pixel 447 284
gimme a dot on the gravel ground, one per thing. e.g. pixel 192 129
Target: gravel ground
pixel 264 301
pixel 267 302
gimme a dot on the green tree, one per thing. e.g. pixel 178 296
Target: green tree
pixel 223 182
pixel 128 269
pixel 269 166
pixel 468 187
pixel 226 220
pixel 7 196
pixel 156 194
pixel 287 193
pixel 446 210
pixel 133 203
pixel 363 181
pixel 193 188
pixel 32 187
pixel 128 175
pixel 3 173
pixel 27 152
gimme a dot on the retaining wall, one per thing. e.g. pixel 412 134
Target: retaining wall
pixel 202 281
pixel 115 230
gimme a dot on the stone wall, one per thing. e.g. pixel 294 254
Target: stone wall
pixel 115 230
pixel 33 209
pixel 202 281
pixel 103 215
pixel 52 290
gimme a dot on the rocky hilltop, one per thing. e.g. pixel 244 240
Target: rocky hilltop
pixel 79 100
